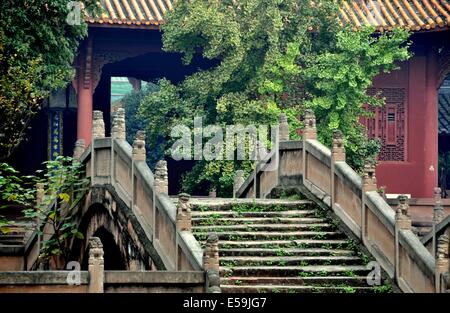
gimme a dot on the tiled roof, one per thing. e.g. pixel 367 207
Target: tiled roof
pixel 385 14
pixel 413 14
pixel 132 12
pixel 444 113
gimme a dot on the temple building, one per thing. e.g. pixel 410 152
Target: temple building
pixel 414 125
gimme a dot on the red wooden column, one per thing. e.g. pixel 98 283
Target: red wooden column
pixel 85 93
pixel 430 147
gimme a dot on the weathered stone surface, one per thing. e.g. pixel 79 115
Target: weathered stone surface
pixel 98 125
pixel 161 177
pixel 402 218
pixel 96 265
pixel 79 149
pixel 211 253
pixel 338 150
pixel 310 130
pixel 184 222
pixel 283 128
pixel 139 153
pixel 118 125
pixel 369 177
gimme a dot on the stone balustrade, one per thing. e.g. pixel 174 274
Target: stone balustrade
pixel 112 161
pixel 324 175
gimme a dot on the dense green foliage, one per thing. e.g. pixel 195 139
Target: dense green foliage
pixel 37 49
pixel 64 187
pixel 134 122
pixel 273 56
pixel 16 190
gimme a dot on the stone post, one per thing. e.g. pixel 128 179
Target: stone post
pixel 338 150
pixel 211 253
pixel 213 281
pixel 184 217
pixel 283 128
pixel 382 192
pixel 442 261
pixel 40 193
pixel 238 182
pixel 96 266
pixel 337 155
pixel 98 125
pixel 139 152
pixel 310 130
pixel 79 149
pixel 161 177
pixel 402 222
pixel 438 216
pixel 118 125
pixel 260 151
pixel 213 193
pixel 369 183
pixel 369 177
pixel 402 213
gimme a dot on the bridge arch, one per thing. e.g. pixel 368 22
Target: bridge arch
pixel 102 216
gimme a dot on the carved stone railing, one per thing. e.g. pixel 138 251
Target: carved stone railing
pixel 113 161
pixel 97 280
pixel 355 200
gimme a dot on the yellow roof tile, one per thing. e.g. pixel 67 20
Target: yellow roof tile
pixel 385 14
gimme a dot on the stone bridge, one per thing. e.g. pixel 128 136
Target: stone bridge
pixel 128 209
pixel 146 237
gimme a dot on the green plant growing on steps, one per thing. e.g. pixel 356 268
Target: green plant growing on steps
pixel 282 263
pixel 364 258
pixel 348 289
pixel 323 273
pixel 16 191
pixel 64 187
pixel 327 246
pixel 349 273
pixel 385 288
pixel 305 274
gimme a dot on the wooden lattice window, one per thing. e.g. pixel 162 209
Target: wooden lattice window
pixel 389 124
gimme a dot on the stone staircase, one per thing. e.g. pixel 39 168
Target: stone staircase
pixel 287 247
pixel 17 233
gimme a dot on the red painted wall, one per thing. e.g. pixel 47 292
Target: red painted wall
pixel 418 174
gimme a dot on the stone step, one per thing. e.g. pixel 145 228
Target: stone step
pixel 289 271
pixel 217 204
pixel 204 221
pixel 283 252
pixel 303 243
pixel 11 242
pixel 294 289
pixel 289 260
pixel 10 236
pixel 300 281
pixel 222 214
pixel 255 235
pixel 262 227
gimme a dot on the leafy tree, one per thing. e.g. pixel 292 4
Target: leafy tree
pixel 37 49
pixel 134 122
pixel 273 56
pixel 337 81
pixel 64 186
